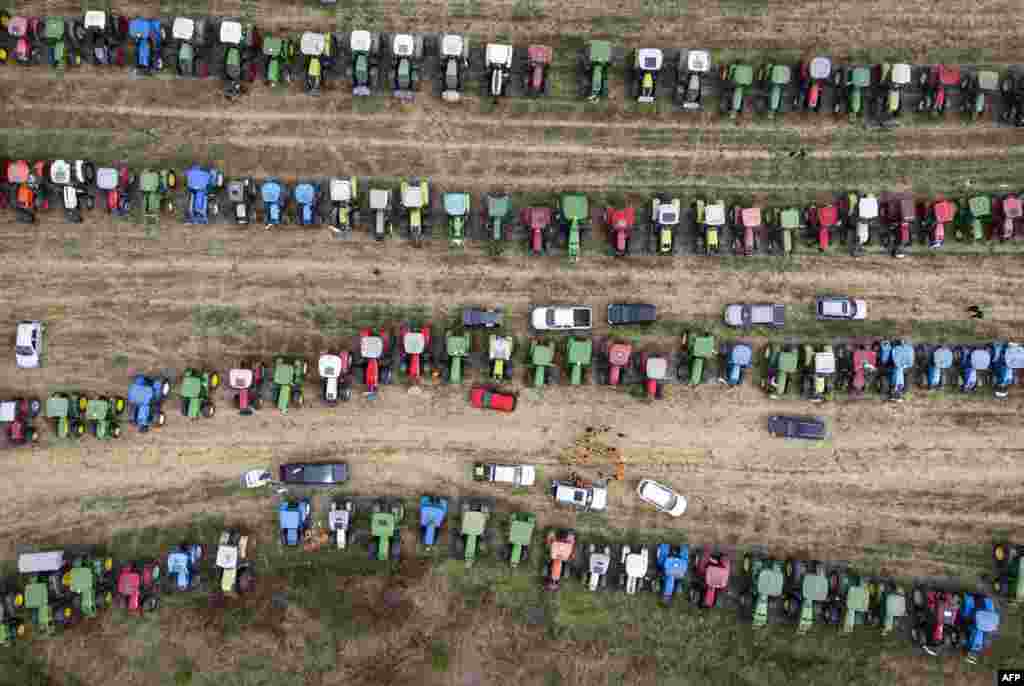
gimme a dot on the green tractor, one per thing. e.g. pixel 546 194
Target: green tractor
pixel 456 350
pixel 156 187
pixel 782 364
pixel 599 60
pixel 819 370
pixel 520 535
pixel 500 353
pixel 574 212
pixel 697 350
pixel 68 414
pixel 474 523
pixel 740 78
pixel 278 53
pixel 542 358
pixel 289 375
pixel 809 586
pixel 851 83
pixel 887 603
pixel 196 388
pixel 975 218
pixel 101 416
pixel 415 198
pixel 385 531
pixel 456 206
pixel 766 580
pixel 12 627
pixel 89 579
pixel 61 52
pixel 47 613
pixel 499 207
pixel 578 354
pixel 776 77
pixel 786 223
pixel 849 596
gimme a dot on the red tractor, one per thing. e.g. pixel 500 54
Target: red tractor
pixel 537 221
pixel 823 220
pixel 115 184
pixel 28 34
pixel 538 59
pixel 374 347
pixel 18 415
pixel 934 84
pixel 138 587
pixel 711 578
pixel 562 551
pixel 940 213
pixel 747 228
pixel 865 362
pixel 814 74
pixel 901 213
pixel 247 383
pixel 937 615
pixel 415 343
pixel 1008 211
pixel 620 224
pixel 618 360
pixel 29 195
pixel 655 369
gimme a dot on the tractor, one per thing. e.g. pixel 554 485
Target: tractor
pixel 277 55
pixel 698 348
pixel 18 415
pixel 819 372
pixel 89 580
pixel 896 357
pixel 782 364
pixel 823 221
pixel 12 626
pixel 939 213
pixel 247 383
pixel 537 221
pixel 561 553
pixel 406 53
pixel 573 213
pixel 101 416
pixel 289 375
pixel 673 562
pixel 936 623
pixel 809 586
pixel 149 36
pixel 776 78
pixel 618 355
pixel 456 207
pixel 456 352
pixel 293 520
pixel 935 84
pixel 738 78
pixel 710 220
pixel 738 358
pixel 974 221
pixel 73 180
pixel 901 216
pixel 1009 210
pixel 599 62
pixel 145 397
pixel 766 581
pixel 28 192
pixel 385 530
pixel 183 567
pixel 848 601
pixel 242 195
pixel 893 78
pixel 68 414
pixel 520 536
pixel 365 70
pixel 1008 559
pixel 647 65
pixel 971 361
pixel 191 38
pixel 60 52
pixel 236 572
pixel 307 203
pixel 375 353
pixel 156 187
pixel 415 197
pixel 691 72
pixel 344 196
pixel 979 621
pixel 861 212
pixel 888 606
pixel 433 511
pixel 454 66
pixel 863 369
pixel 746 230
pixel 1007 358
pixel 28 34
pixel 201 185
pixel 197 387
pixel 665 216
pixel 415 343
pixel 940 359
pixel 634 573
pixel 318 51
pixel 339 521
pixel 578 355
pixel 41 595
pixel 787 223
pixel 138 586
pixel 655 371
pixel 1012 89
pixel 498 64
pixel 599 560
pixel 500 353
pixel 620 226
pixel 538 60
pixel 711 577
pixel 497 208
pixel 380 205
pixel 275 199
pixel 242 55
pixel 116 185
pixel 471 532
pixel 975 89
pixel 814 76
pixel 542 359
pixel 105 34
pixel 850 84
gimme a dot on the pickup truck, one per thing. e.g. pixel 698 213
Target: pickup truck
pixel 473 317
pixel 515 474
pixel 562 318
pixel 583 497
pixel 758 314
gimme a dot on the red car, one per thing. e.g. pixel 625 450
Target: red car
pixel 488 398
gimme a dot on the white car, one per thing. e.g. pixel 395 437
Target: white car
pixel 662 497
pixel 840 307
pixel 593 497
pixel 515 474
pixel 255 478
pixel 562 318
pixel 28 348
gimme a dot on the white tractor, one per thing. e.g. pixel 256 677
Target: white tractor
pixel 500 349
pixel 339 520
pixel 331 368
pixel 600 561
pixel 344 194
pixel 646 67
pixel 73 178
pixel 636 564
pixel 499 68
pixel 454 65
pixel 235 571
pixel 380 205
pixel 867 211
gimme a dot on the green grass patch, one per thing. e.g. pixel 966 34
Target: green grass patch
pixel 220 321
pixel 104 503
pixel 440 658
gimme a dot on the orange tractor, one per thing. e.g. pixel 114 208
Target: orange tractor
pixel 561 551
pixel 27 192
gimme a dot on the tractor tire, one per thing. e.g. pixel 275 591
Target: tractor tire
pixel 150 603
pixel 346 394
pixel 201 68
pixel 115 431
pixel 396 549
pixel 246 580
pixel 165 389
pixel 209 409
pixel 89 202
pixel 373 550
pixel 214 381
pixel 694 595
pixel 161 419
pixel 1000 553
pixel 298 398
pixel 257 403
pixel 525 553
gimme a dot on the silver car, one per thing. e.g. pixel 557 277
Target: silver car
pixel 832 307
pixel 662 497
pixel 761 314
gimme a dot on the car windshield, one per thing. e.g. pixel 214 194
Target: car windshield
pixel 24 350
pixel 761 313
pixel 316 473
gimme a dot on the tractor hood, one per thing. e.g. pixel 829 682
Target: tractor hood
pixel 270 191
pixel 741 74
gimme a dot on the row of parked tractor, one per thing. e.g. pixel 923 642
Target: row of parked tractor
pixel 201 46
pixel 855 222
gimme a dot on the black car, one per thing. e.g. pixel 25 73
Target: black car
pixel 474 317
pixel 810 428
pixel 314 473
pixel 631 313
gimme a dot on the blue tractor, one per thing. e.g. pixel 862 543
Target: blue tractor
pixel 1007 358
pixel 149 36
pixel 896 357
pixel 293 517
pixel 307 201
pixel 737 360
pixel 183 567
pixel 145 396
pixel 201 184
pixel 274 201
pixel 972 361
pixel 673 563
pixel 433 511
pixel 980 619
pixel 940 359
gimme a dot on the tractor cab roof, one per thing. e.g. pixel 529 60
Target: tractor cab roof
pixel 857 598
pixel 17 26
pixel 1011 206
pixel 95 19
pixel 539 54
pixel 141 392
pixel 1013 356
pixel 382 524
pixel 8 411
pixel 240 379
pixel 432 510
pixel 698 61
pixel 361 41
pixel 329 366
pixel 456 204
pixel 18 171
pixel 413 195
pixel 656 368
pixel 895 604
pixel 714 214
pixel 273 47
pixel 649 59
pixel 600 51
pixel 537 217
pixel 814 587
pixel 141 28
pixel 270 191
pixel 942 358
pixel 980 205
pixel 860 77
pixel 828 215
pixel 702 346
pixel 107 178
pixel 780 74
pixel 305 193
pixel 198 179
pixel 380 199
pixel 637 563
pixel 340 190
pixel 97 409
pixel 579 350
pixel 289 518
pixel 60 172
pixel 717 575
pixel 34 563
pixel 790 218
pixel 312 44
pixel 741 74
pixel 825 363
pixel 618 354
pixel 227 556
pixel 452 45
pixel 54 29
pixel 944 211
pixel 57 406
pixel 986 620
pixel 237 191
pixel 900 74
pixel 231 32
pixel 769 582
pixel 667 213
pixel 741 355
pixel 473 522
pixel 867 207
pixel 521 527
pixel 787 361
pixel 863 356
pixel 371 347
pixel 414 342
pixel 500 347
pixel 575 206
pixel 183 28
pixel 820 68
pixel 149 181
pixel 498 206
pixel 542 354
pixel 403 45
pixel 621 219
pixel 988 80
pixel 284 373
pixel 82 579
pixel 903 355
pixel 600 562
pixel 948 75
pixel 191 386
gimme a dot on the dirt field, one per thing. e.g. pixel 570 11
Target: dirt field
pixel 905 485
